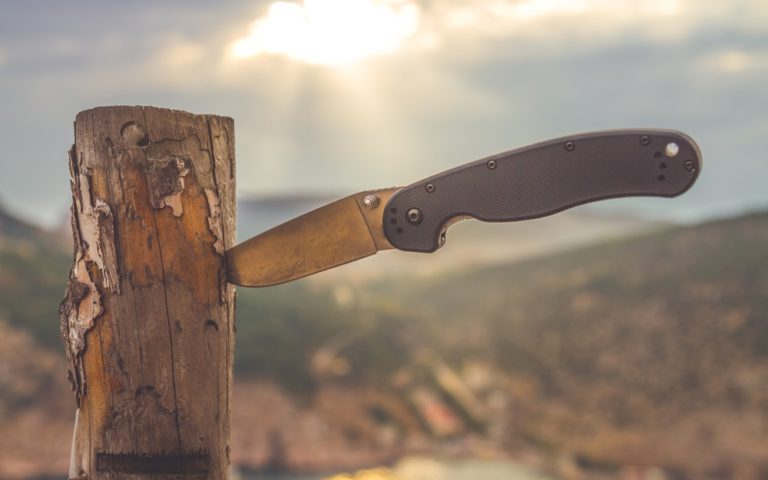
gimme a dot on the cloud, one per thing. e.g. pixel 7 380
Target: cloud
pixel 340 31
pixel 735 61
pixel 329 31
pixel 552 27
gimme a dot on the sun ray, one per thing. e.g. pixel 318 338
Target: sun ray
pixel 329 32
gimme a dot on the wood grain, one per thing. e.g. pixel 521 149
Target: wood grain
pixel 148 316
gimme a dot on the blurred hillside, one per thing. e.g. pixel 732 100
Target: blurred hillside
pixel 647 351
pixel 651 350
pixel 34 265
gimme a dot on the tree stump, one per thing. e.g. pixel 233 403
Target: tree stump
pixel 148 316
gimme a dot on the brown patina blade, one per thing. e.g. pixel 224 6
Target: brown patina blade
pixel 332 235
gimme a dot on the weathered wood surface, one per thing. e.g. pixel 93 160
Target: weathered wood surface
pixel 148 316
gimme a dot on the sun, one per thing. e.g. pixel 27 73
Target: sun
pixel 330 32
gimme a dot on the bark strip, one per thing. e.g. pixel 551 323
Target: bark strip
pixel 153 212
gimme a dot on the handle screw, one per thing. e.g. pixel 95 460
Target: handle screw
pixel 371 201
pixel 414 216
pixel 688 165
pixel 645 140
pixel 570 146
pixel 430 188
pixel 491 164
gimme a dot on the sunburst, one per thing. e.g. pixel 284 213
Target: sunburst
pixel 330 32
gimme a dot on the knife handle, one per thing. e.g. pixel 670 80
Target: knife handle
pixel 542 179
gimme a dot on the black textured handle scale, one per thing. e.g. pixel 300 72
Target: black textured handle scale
pixel 543 179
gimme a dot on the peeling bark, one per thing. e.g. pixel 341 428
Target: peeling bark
pixel 214 220
pixel 94 244
pixel 75 321
pixel 147 319
pixel 166 182
pixel 95 225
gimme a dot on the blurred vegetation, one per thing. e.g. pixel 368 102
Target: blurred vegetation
pixel 33 274
pixel 280 328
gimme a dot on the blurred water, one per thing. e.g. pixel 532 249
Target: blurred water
pixel 434 469
pixel 282 476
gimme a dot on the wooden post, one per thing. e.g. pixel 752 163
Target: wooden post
pixel 148 316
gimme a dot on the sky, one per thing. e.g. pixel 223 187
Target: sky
pixel 346 95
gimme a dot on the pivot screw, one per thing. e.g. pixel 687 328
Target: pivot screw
pixel 491 164
pixel 570 146
pixel 688 165
pixel 645 140
pixel 414 216
pixel 430 188
pixel 371 201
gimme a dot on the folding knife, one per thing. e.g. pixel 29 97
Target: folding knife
pixel 525 183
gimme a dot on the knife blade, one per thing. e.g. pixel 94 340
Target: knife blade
pixel 525 183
